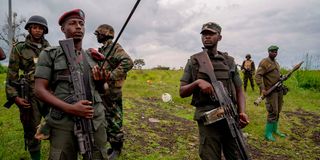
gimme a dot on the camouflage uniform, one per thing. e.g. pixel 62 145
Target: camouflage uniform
pixel 53 66
pixel 268 73
pixel 216 136
pixel 23 57
pixel 248 69
pixel 118 65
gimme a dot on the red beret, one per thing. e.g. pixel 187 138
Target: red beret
pixel 76 13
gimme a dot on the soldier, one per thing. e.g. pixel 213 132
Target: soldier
pixel 24 57
pixel 214 137
pixel 119 63
pixel 2 54
pixel 248 69
pixel 55 87
pixel 268 73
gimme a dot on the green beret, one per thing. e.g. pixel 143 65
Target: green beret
pixel 211 26
pixel 273 47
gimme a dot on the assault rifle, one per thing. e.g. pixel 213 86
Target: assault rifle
pixel 227 109
pixel 23 88
pixel 83 128
pixel 278 84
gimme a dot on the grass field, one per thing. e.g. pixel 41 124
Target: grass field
pixel 158 130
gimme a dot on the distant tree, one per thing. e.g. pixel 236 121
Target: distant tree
pixel 138 63
pixel 17 26
pixel 159 67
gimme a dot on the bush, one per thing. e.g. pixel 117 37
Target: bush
pixel 309 79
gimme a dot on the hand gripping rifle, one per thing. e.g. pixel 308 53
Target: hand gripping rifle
pixel 227 109
pixel 278 84
pixel 122 29
pixel 83 128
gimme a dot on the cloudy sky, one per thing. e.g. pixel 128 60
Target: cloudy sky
pixel 166 32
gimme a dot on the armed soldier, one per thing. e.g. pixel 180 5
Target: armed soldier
pixel 216 136
pixel 268 74
pixel 24 57
pixel 55 85
pixel 248 69
pixel 117 66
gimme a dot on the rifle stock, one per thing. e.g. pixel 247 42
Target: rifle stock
pixel 83 127
pixel 277 84
pixel 229 109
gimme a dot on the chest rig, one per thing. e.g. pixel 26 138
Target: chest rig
pixel 224 70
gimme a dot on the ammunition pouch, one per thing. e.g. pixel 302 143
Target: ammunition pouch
pixel 213 116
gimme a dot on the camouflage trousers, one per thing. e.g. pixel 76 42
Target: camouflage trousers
pixel 30 119
pixel 274 103
pixel 214 139
pixel 114 118
pixel 246 77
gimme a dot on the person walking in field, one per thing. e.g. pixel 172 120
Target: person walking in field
pixel 54 85
pixel 214 137
pixel 268 74
pixel 248 69
pixel 119 63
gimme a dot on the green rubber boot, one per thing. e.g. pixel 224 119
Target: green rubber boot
pixel 276 131
pixel 35 155
pixel 268 132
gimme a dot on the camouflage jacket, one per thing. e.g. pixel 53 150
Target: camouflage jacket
pixel 119 61
pixel 268 73
pixel 23 58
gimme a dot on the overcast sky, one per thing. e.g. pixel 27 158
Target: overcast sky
pixel 166 32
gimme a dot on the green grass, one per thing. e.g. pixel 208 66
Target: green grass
pixel 174 137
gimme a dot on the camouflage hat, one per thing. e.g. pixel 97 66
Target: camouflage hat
pixel 273 48
pixel 106 30
pixel 76 13
pixel 211 26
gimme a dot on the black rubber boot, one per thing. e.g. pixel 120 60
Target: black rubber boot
pixel 116 148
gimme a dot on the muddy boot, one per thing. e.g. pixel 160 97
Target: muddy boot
pixel 35 155
pixel 268 132
pixel 276 131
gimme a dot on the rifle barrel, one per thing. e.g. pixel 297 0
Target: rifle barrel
pixel 122 29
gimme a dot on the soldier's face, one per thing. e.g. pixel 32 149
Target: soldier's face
pixel 273 54
pixel 210 39
pixel 73 28
pixel 36 30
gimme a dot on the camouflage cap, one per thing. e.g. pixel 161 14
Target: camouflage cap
pixel 211 26
pixel 273 48
pixel 76 13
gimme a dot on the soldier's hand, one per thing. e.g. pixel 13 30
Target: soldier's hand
pixel 97 73
pixel 21 102
pixel 244 120
pixel 264 92
pixel 83 108
pixel 205 86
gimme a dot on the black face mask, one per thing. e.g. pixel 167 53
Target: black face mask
pixel 102 38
